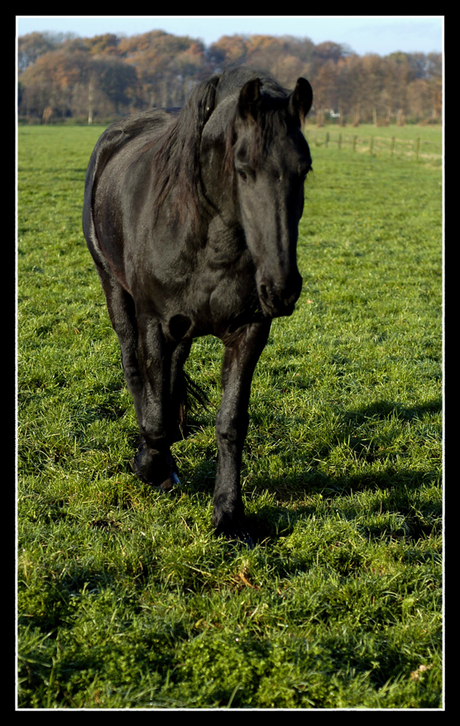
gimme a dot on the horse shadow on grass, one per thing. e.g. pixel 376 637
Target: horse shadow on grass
pixel 293 495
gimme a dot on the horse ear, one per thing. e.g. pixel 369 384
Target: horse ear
pixel 301 100
pixel 248 104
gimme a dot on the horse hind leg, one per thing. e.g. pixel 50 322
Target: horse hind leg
pixel 153 462
pixel 122 313
pixel 172 404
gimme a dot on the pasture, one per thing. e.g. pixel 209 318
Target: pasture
pixel 125 598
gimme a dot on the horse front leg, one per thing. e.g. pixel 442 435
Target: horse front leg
pixel 240 360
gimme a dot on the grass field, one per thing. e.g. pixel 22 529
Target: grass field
pixel 409 142
pixel 125 597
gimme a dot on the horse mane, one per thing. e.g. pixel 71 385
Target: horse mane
pixel 177 155
pixel 177 160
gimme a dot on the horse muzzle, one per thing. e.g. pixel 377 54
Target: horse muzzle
pixel 279 298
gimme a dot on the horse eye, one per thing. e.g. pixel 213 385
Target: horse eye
pixel 304 169
pixel 242 175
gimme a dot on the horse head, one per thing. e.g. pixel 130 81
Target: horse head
pixel 271 160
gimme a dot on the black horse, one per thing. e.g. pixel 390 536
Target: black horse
pixel 191 217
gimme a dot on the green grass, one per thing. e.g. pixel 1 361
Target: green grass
pixel 125 597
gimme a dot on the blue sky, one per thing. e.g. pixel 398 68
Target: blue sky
pixel 382 34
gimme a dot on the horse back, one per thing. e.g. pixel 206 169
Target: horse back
pixel 118 135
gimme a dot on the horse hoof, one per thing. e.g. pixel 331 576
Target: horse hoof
pixel 246 540
pixel 171 482
pixel 237 537
pixel 155 469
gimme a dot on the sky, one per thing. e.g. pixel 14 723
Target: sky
pixel 381 34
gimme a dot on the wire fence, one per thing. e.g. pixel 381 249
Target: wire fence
pixel 417 149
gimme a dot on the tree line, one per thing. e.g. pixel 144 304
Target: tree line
pixel 63 76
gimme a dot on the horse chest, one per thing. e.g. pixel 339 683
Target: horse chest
pixel 212 296
pixel 232 299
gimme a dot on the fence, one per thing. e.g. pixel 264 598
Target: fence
pixel 417 149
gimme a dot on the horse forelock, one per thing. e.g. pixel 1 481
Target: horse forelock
pixel 271 122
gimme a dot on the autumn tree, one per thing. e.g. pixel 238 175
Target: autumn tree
pixel 165 65
pixel 64 75
pixel 325 52
pixel 106 44
pixel 434 80
pixel 325 89
pixel 229 50
pixel 301 48
pixel 50 81
pixel 77 84
pixel 373 76
pixel 34 45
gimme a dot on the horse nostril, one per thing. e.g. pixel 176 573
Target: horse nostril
pixel 279 299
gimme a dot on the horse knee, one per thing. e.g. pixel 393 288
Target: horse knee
pixel 232 429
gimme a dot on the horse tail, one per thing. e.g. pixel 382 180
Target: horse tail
pixel 192 396
pixel 195 395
